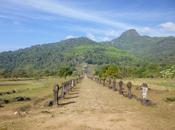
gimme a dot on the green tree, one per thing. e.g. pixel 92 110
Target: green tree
pixel 65 71
pixel 110 71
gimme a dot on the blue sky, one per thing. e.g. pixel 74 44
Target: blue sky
pixel 24 23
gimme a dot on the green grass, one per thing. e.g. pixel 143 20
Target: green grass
pixel 167 84
pixel 29 88
pixel 170 99
pixel 155 83
pixel 106 50
pixel 79 50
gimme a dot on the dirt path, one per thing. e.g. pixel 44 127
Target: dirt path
pixel 91 106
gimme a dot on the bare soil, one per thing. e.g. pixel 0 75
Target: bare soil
pixel 90 106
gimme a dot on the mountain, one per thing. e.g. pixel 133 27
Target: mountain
pixel 163 51
pixel 47 58
pixel 155 49
pixel 129 50
pixel 130 34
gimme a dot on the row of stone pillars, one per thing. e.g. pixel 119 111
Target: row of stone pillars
pixel 59 92
pixel 112 84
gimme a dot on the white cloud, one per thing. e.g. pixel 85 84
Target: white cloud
pixel 111 33
pixel 91 36
pixel 112 27
pixel 105 39
pixel 147 30
pixel 70 36
pixel 51 6
pixel 168 26
pixel 101 34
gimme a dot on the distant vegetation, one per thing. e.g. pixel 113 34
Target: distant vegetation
pixel 111 71
pixel 130 54
pixel 139 71
pixel 65 71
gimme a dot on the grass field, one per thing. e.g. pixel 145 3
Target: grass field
pixel 89 106
pixel 35 89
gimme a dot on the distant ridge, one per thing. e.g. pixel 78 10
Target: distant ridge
pixel 128 49
pixel 158 49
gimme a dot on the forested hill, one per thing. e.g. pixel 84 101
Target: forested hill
pixel 156 49
pixel 49 57
pixel 130 49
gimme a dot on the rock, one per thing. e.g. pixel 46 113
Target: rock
pixel 6 101
pixel 13 91
pixel 170 99
pixel 49 103
pixel 147 102
pixel 8 92
pixel 21 99
pixel 19 113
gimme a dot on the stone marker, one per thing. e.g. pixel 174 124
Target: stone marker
pixel 129 86
pixel 49 103
pixel 109 85
pixel 144 91
pixel 114 87
pixel 55 94
pixel 103 82
pixel 121 87
pixel 72 84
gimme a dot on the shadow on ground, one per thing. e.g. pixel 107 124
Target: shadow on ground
pixel 66 103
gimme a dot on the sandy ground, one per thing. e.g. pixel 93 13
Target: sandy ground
pixel 91 106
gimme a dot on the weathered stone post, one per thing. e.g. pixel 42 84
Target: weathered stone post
pixel 55 94
pixel 129 86
pixel 72 84
pixel 103 82
pixel 100 80
pixel 75 82
pixel 121 87
pixel 106 82
pixel 114 85
pixel 109 85
pixel 62 90
pixel 144 91
pixel 68 86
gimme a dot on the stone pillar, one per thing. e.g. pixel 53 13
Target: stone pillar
pixel 72 84
pixel 144 92
pixel 103 82
pixel 109 85
pixel 62 90
pixel 68 85
pixel 100 80
pixel 129 86
pixel 114 85
pixel 121 87
pixel 55 94
pixel 106 82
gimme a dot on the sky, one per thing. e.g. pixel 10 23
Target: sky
pixel 24 23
